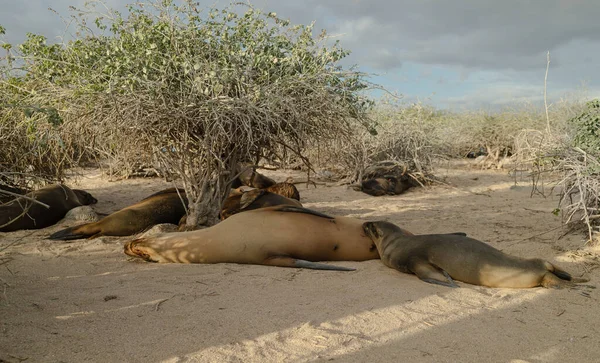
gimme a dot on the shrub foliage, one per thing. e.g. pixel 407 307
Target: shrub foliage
pixel 196 91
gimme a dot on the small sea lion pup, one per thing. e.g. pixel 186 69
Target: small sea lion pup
pixel 24 214
pixel 388 185
pixel 165 206
pixel 440 258
pixel 253 199
pixel 285 236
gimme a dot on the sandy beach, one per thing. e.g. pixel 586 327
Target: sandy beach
pixel 86 301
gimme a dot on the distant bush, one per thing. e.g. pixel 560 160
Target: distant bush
pixel 587 128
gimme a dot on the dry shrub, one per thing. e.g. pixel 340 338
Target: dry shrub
pixel 580 188
pixel 196 92
pixel 480 131
pixel 34 149
pixel 401 144
pixel 568 151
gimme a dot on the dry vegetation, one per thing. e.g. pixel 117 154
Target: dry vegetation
pixel 192 93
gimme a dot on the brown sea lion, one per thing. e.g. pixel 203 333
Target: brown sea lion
pixel 440 258
pixel 253 199
pixel 24 214
pixel 285 189
pixel 286 236
pixel 252 178
pixel 389 185
pixel 165 206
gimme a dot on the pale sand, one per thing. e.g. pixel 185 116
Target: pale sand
pixel 87 301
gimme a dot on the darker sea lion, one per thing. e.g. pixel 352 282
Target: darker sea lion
pixel 286 236
pixel 439 258
pixel 389 185
pixel 251 178
pixel 24 214
pixel 253 199
pixel 6 197
pixel 164 206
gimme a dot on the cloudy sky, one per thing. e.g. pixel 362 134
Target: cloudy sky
pixel 452 54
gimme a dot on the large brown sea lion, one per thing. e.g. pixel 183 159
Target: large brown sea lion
pixel 439 258
pixel 25 214
pixel 286 236
pixel 385 186
pixel 253 199
pixel 165 206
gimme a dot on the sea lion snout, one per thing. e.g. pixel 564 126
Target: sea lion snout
pixel 370 230
pixel 84 197
pixel 378 229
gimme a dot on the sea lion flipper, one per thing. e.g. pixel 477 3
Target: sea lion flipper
pixel 320 266
pixel 431 273
pixel 284 261
pixel 295 209
pixel 249 197
pixel 72 233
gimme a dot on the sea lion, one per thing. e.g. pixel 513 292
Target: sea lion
pixel 165 206
pixel 388 185
pixel 440 258
pixel 253 199
pixel 286 236
pixel 251 178
pixel 6 189
pixel 285 189
pixel 240 190
pixel 25 214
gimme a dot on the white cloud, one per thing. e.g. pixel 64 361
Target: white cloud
pixel 463 38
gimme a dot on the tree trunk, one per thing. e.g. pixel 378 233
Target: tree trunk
pixel 206 200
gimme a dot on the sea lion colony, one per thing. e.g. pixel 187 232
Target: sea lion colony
pixel 274 229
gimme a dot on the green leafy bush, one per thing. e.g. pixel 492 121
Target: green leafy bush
pixel 587 128
pixel 196 91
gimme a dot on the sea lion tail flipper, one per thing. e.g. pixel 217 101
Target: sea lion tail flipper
pixel 431 274
pixel 562 274
pixel 282 261
pixel 296 209
pixel 77 232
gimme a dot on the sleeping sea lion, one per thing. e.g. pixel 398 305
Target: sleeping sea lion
pixel 389 185
pixel 25 214
pixel 286 236
pixel 5 197
pixel 440 258
pixel 253 199
pixel 165 206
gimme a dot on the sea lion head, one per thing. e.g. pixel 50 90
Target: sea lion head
pixel 383 233
pixel 84 197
